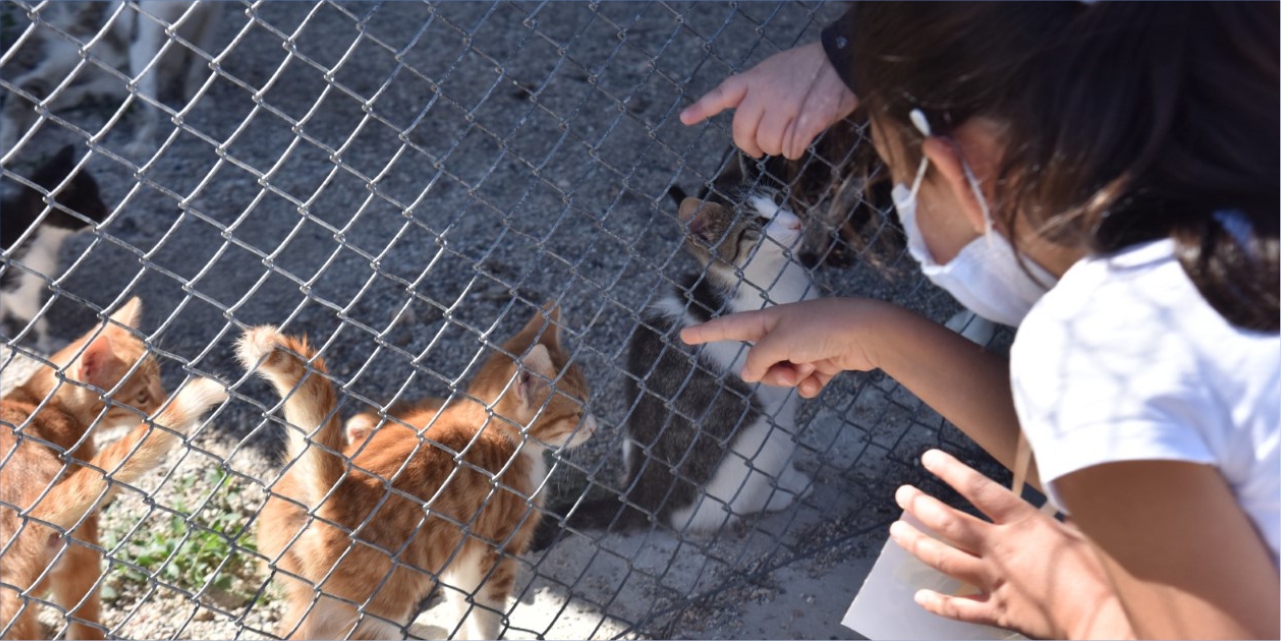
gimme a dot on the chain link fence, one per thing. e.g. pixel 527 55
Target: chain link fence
pixel 407 183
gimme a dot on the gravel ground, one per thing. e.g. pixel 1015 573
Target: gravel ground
pixel 405 182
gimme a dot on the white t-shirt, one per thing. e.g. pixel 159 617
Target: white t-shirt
pixel 1125 361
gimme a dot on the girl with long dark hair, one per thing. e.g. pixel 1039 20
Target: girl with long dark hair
pixel 1104 177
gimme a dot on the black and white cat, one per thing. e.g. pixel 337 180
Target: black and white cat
pixel 703 448
pixel 31 259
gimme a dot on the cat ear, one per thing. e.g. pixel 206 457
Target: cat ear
pixel 551 335
pixel 359 427
pixel 689 215
pixel 545 326
pixel 55 170
pixel 98 365
pixel 129 314
pixel 358 432
pixel 535 374
pixel 696 214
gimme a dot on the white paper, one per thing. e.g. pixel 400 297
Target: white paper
pixel 885 609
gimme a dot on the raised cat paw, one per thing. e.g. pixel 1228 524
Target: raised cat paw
pixel 792 486
pixel 796 482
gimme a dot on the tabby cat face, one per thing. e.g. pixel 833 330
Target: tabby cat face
pixel 727 236
pixel 546 392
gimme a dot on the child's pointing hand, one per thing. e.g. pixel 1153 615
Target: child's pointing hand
pixel 802 345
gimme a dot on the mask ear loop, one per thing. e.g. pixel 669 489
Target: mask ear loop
pixel 978 195
pixel 923 126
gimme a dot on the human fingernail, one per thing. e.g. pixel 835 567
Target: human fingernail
pixel 904 495
pixel 898 530
pixel 932 459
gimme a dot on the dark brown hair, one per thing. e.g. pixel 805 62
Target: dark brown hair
pixel 1123 122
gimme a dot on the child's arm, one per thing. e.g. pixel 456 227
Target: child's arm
pixel 1186 560
pixel 780 105
pixel 805 344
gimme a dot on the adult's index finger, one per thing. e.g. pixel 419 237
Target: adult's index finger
pixel 745 326
pixel 726 95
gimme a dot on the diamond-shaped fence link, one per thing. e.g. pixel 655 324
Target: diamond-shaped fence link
pixel 408 184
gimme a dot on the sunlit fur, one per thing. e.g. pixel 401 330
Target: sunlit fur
pixel 372 548
pixel 99 359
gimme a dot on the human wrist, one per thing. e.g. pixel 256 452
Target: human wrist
pixel 1103 618
pixel 1095 612
pixel 873 327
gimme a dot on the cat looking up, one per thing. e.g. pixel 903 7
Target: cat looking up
pixel 703 448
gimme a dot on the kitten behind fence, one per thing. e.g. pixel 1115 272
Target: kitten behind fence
pixel 34 261
pixel 702 447
pixel 444 496
pixel 133 41
pixel 41 446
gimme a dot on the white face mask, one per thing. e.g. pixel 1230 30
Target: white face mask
pixel 986 276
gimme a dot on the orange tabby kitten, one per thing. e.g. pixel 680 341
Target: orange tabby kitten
pixel 102 359
pixel 454 500
pixel 360 426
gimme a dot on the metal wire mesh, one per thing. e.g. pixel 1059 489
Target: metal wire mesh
pixel 408 183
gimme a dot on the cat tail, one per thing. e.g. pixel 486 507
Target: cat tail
pixel 129 458
pixel 609 513
pixel 315 432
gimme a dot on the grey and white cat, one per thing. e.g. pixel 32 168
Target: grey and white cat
pixel 703 448
pixel 126 37
pixel 31 243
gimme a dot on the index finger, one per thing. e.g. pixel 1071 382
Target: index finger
pixel 726 95
pixel 991 498
pixel 744 326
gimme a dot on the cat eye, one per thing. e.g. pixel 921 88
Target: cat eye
pixel 143 397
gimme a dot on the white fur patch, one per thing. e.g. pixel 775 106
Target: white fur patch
pixel 770 275
pixel 465 576
pixel 743 484
pixel 23 302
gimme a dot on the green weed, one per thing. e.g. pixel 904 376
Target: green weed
pixel 206 549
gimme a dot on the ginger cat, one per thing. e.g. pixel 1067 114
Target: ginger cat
pixel 452 500
pixel 102 359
